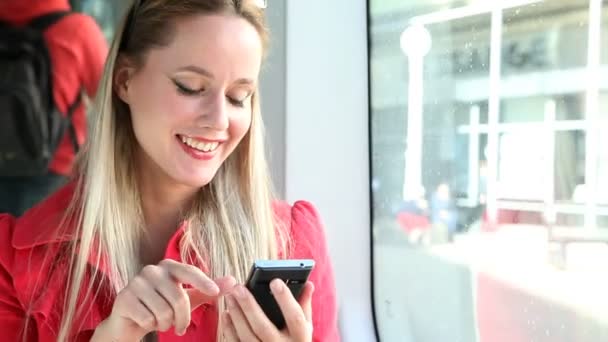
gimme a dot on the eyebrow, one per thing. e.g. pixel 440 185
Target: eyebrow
pixel 206 73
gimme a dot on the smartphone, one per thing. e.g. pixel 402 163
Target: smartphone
pixel 293 272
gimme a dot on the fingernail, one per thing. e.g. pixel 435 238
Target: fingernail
pixel 276 286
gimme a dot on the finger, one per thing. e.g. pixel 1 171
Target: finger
pixel 306 300
pixel 154 302
pixel 191 275
pixel 179 301
pixel 239 320
pixel 262 327
pixel 228 328
pixel 139 313
pixel 226 284
pixel 295 320
pixel 198 298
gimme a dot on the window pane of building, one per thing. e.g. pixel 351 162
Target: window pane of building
pixel 489 125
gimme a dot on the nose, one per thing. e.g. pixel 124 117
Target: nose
pixel 214 112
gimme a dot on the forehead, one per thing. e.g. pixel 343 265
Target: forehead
pixel 220 43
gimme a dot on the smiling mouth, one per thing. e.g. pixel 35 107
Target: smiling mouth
pixel 203 146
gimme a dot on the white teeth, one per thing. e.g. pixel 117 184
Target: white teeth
pixel 210 146
pixel 199 145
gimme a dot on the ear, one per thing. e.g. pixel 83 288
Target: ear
pixel 123 71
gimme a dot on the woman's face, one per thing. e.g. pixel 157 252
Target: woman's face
pixel 191 100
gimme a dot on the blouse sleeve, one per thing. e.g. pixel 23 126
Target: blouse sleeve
pixel 309 242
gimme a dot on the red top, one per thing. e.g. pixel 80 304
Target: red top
pixel 33 273
pixel 77 49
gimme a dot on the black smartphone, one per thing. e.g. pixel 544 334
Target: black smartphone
pixel 293 272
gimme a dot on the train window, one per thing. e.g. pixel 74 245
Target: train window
pixel 105 12
pixel 489 127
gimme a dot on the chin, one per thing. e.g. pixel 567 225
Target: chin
pixel 197 182
pixel 195 176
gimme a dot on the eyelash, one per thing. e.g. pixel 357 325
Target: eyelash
pixel 190 92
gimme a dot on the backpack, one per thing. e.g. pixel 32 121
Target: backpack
pixel 31 126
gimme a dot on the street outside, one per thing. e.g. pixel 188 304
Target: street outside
pixel 490 287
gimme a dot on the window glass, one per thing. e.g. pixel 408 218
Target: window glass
pixel 569 165
pixel 489 127
pixel 107 13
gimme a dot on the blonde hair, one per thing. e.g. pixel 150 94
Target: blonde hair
pixel 231 222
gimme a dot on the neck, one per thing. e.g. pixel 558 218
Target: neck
pixel 164 203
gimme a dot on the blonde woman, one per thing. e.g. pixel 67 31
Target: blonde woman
pixel 171 203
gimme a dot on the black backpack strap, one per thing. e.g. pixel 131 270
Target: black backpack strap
pixel 42 22
pixel 70 114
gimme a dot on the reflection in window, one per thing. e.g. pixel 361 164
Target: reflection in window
pixel 489 123
pixel 569 166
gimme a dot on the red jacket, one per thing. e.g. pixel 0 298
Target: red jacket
pixel 33 272
pixel 78 49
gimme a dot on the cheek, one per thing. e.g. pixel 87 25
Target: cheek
pixel 239 125
pixel 162 112
pixel 177 108
pixel 157 102
pixel 154 121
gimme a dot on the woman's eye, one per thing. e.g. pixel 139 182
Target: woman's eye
pixel 187 91
pixel 237 103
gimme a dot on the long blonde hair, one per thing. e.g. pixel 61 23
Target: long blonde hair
pixel 232 221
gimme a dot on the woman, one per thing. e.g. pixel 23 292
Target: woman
pixel 171 203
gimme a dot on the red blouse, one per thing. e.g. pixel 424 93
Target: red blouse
pixel 33 273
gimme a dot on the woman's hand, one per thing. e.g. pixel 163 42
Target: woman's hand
pixel 245 321
pixel 156 301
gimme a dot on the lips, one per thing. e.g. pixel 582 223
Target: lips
pixel 199 148
pixel 201 145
